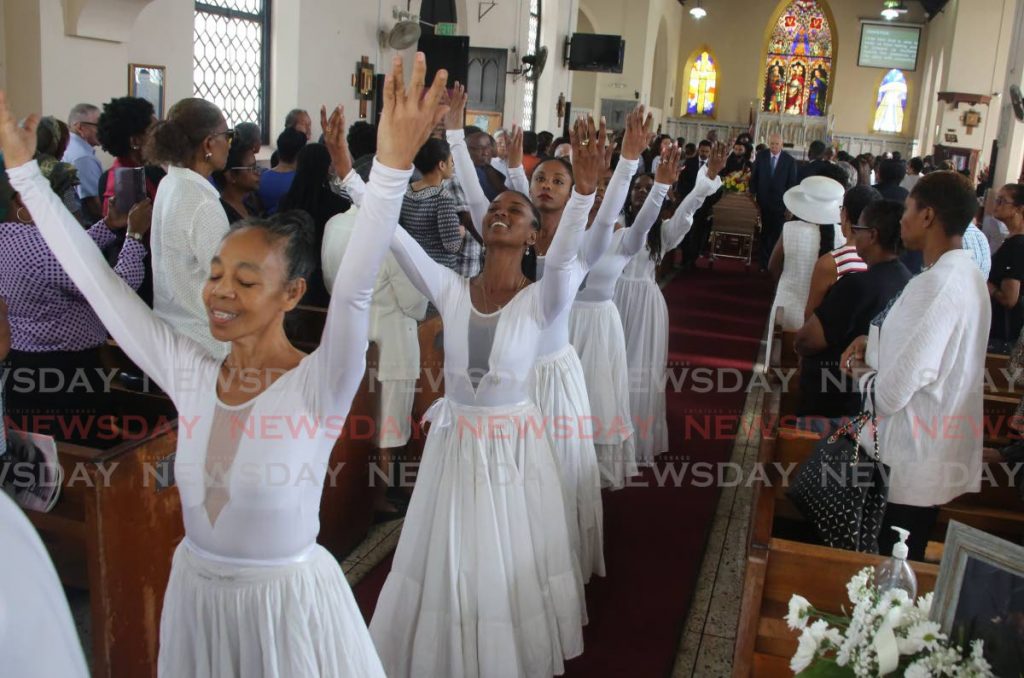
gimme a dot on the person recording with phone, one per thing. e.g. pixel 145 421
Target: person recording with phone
pixel 55 383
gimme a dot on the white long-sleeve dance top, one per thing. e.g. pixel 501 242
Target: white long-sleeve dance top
pixel 281 443
pixel 488 358
pixel 595 244
pixel 641 266
pixel 600 283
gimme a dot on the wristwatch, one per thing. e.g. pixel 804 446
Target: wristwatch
pixel 134 236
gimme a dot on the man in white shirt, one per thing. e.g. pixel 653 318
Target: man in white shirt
pixel 924 359
pixel 83 122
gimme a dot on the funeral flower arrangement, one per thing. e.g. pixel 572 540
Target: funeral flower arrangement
pixel 737 182
pixel 887 634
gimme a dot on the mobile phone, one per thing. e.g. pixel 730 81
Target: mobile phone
pixel 129 187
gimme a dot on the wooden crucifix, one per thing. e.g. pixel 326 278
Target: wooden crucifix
pixel 362 81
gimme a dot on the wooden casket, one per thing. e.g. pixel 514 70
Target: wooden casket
pixel 736 222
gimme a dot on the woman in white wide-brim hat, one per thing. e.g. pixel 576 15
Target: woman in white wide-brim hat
pixel 815 205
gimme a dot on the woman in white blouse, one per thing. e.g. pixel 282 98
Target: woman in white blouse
pixel 922 364
pixel 188 219
pixel 251 593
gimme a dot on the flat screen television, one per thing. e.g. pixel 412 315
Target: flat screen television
pixel 885 45
pixel 600 53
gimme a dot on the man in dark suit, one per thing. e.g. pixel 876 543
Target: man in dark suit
pixel 815 159
pixel 773 174
pixel 697 238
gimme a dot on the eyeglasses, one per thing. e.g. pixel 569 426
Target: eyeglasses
pixel 254 168
pixel 1000 200
pixel 861 228
pixel 90 124
pixel 228 134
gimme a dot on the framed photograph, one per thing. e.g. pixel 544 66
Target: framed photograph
pixel 149 83
pixel 979 595
pixel 951 138
pixel 489 121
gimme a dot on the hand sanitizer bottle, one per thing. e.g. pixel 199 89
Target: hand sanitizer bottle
pixel 896 573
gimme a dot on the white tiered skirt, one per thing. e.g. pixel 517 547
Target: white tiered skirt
pixel 644 317
pixel 595 330
pixel 560 391
pixel 276 621
pixel 483 581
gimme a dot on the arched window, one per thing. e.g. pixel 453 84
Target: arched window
pixel 530 90
pixel 891 103
pixel 798 69
pixel 700 88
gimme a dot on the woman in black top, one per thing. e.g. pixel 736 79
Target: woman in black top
pixel 311 192
pixel 1004 281
pixel 238 182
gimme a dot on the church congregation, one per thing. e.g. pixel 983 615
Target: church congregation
pixel 399 376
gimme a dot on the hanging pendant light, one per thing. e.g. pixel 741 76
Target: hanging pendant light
pixel 698 12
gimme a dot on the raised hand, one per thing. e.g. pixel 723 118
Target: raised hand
pixel 515 147
pixel 456 116
pixel 638 130
pixel 335 141
pixel 609 153
pixel 719 154
pixel 588 144
pixel 409 116
pixel 668 168
pixel 17 143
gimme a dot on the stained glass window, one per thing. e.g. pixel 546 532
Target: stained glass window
pixel 530 90
pixel 700 96
pixel 891 103
pixel 799 65
pixel 230 57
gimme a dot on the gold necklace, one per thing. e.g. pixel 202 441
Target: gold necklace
pixel 523 281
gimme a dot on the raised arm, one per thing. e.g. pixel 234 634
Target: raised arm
pixel 675 229
pixel 464 169
pixel 405 124
pixel 517 179
pixel 426 275
pixel 147 340
pixel 599 235
pixel 563 269
pixel 636 235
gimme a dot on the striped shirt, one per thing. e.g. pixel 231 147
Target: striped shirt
pixel 848 261
pixel 430 217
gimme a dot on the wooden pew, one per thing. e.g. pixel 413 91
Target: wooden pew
pixel 764 644
pixel 113 531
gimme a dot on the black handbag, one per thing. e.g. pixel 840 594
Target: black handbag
pixel 842 489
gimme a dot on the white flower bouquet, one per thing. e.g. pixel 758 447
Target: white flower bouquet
pixel 887 634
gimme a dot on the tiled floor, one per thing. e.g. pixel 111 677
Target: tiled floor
pixel 706 646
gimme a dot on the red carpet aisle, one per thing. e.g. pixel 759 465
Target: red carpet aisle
pixel 655 535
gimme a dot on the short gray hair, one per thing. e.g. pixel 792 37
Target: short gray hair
pixel 80 112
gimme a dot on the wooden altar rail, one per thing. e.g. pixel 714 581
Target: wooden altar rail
pixel 777 568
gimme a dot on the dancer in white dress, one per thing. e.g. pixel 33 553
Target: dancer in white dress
pixel 559 383
pixel 250 592
pixel 596 332
pixel 644 312
pixel 483 582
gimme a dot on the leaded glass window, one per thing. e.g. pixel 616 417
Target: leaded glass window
pixel 231 58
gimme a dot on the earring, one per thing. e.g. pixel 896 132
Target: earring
pixel 26 219
pixel 135 148
pixel 208 156
pixel 529 250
